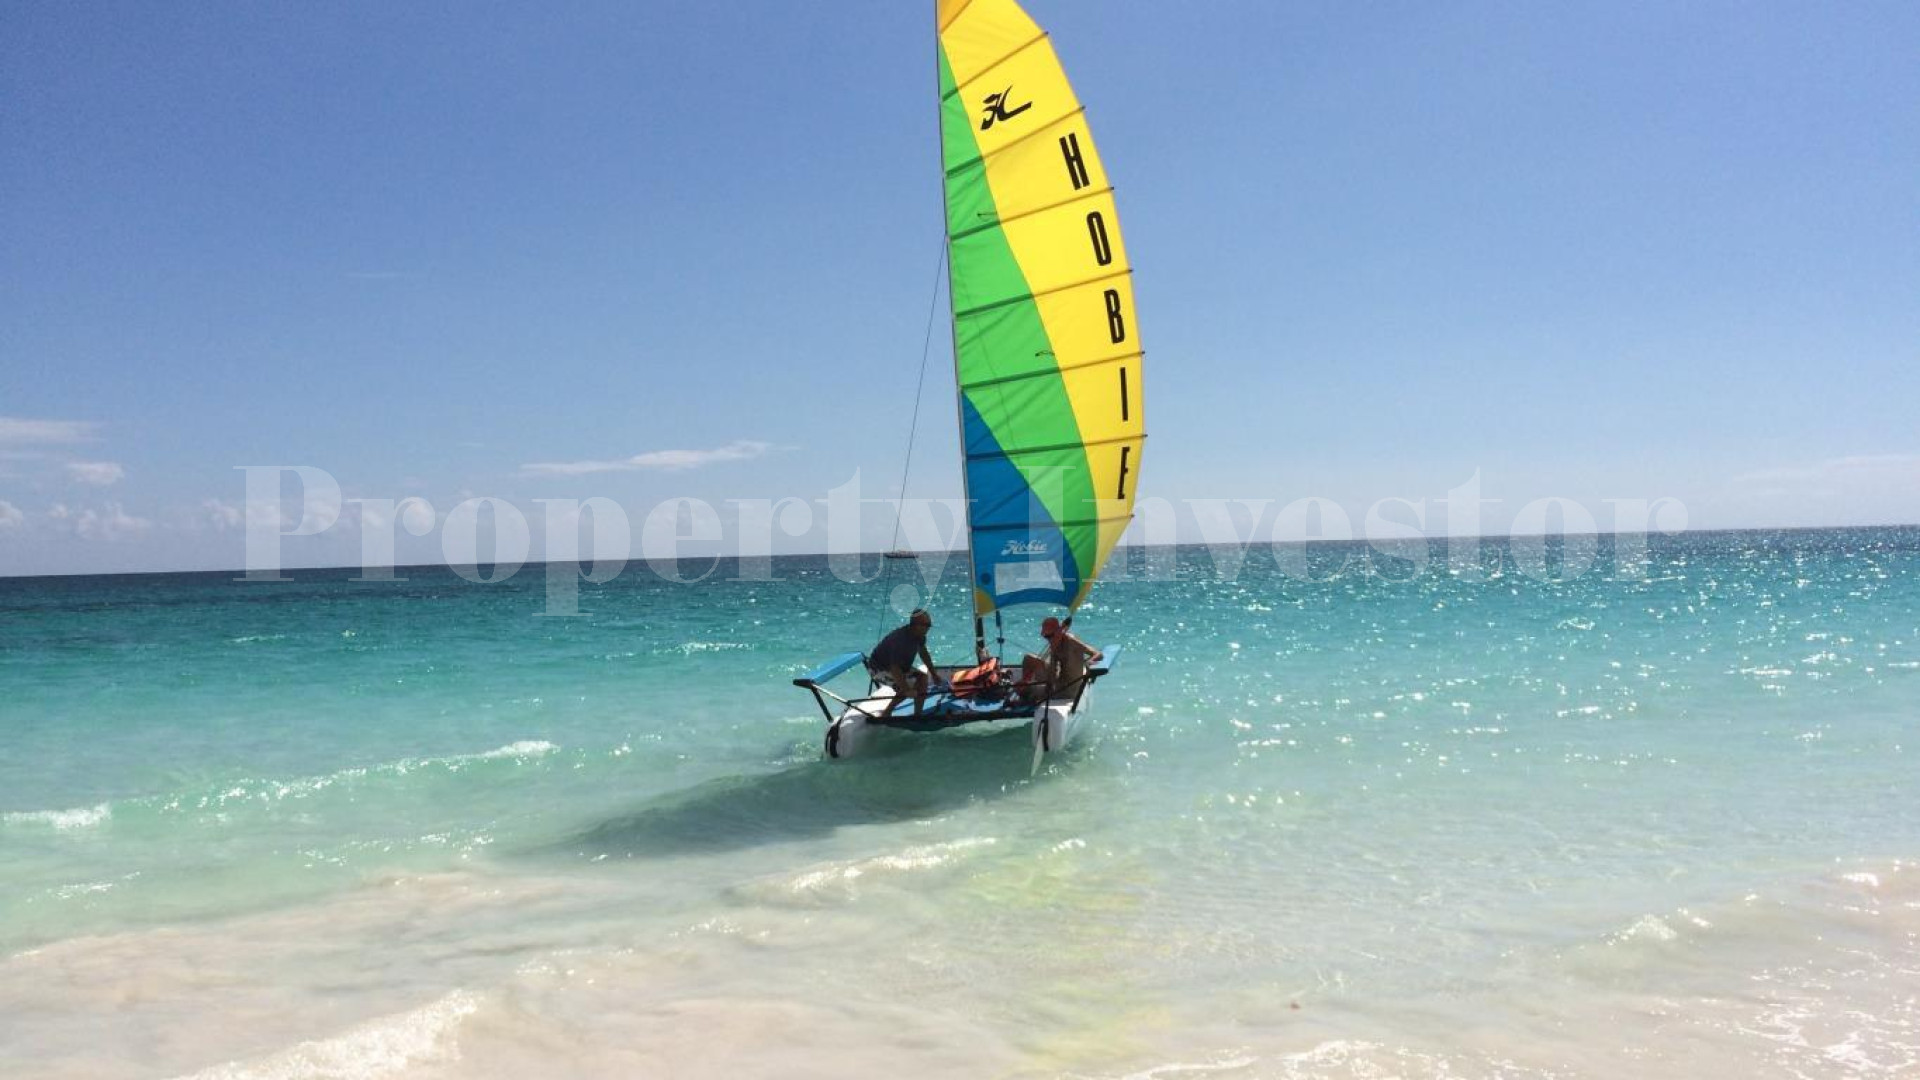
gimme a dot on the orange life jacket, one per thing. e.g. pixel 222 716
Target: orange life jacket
pixel 975 679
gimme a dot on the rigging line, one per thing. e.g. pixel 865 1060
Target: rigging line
pixel 926 351
pixel 906 468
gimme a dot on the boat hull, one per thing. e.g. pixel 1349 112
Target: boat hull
pixel 1055 724
pixel 857 731
pixel 862 723
pixel 853 732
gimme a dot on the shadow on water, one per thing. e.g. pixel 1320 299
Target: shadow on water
pixel 908 780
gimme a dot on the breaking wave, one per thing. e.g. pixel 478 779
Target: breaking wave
pixel 85 817
pixel 378 1048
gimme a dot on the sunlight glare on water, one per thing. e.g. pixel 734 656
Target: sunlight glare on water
pixel 1655 824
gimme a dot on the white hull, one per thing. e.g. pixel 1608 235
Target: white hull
pixel 1055 724
pixel 1053 728
pixel 851 735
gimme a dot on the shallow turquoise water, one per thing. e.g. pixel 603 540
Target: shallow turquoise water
pixel 1657 820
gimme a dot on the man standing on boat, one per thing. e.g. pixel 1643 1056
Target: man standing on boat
pixel 892 661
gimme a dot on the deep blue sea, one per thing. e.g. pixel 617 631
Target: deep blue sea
pixel 1332 816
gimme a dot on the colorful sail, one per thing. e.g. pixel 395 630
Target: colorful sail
pixel 1045 347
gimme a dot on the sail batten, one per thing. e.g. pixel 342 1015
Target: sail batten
pixel 1122 518
pixel 967 83
pixel 1008 219
pixel 1018 451
pixel 976 162
pixel 1122 358
pixel 982 309
pixel 1046 354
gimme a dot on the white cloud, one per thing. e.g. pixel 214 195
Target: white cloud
pixel 17 431
pixel 1861 489
pixel 1858 467
pixel 97 473
pixel 416 515
pixel 111 523
pixel 10 515
pixel 664 460
pixel 224 515
pixel 114 523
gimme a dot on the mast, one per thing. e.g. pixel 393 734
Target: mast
pixel 953 334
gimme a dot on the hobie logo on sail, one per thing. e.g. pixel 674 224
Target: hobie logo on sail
pixel 997 108
pixel 1025 547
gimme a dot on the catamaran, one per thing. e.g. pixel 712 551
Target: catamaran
pixel 1047 366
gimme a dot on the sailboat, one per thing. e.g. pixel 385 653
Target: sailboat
pixel 1047 365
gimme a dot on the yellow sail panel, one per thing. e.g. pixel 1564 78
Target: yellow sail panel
pixel 1048 358
pixel 1067 244
pixel 945 11
pixel 976 33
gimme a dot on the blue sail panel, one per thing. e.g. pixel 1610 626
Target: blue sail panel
pixel 1020 554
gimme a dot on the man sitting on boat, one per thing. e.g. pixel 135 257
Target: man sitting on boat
pixel 891 661
pixel 1062 671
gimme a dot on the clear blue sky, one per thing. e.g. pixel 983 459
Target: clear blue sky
pixel 1601 251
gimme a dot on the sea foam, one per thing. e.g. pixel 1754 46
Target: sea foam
pixel 523 748
pixel 385 1046
pixel 85 817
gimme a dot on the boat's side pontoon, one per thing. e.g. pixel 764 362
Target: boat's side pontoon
pixel 1054 711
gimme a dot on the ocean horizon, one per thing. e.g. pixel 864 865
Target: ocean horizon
pixel 1650 819
pixel 1436 545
